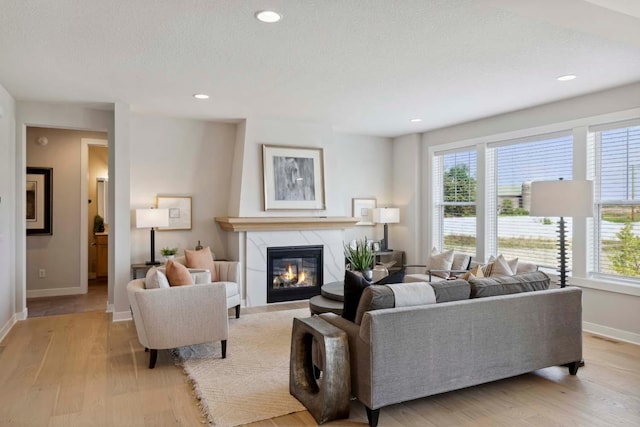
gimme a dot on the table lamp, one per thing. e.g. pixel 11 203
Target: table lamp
pixel 386 216
pixel 562 198
pixel 151 218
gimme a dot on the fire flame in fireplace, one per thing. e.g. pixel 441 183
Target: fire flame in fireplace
pixel 289 274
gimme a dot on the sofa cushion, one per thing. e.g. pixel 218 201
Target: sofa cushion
pixel 526 267
pixel 353 287
pixel 440 261
pixel 202 258
pixel 492 286
pixel 374 297
pixel 155 279
pixel 377 297
pixel 178 274
pixel 451 290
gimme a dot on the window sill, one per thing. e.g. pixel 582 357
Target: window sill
pixel 608 285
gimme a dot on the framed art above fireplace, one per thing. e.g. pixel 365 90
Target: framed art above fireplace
pixel 293 177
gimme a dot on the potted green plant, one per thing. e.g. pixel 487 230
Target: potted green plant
pixel 361 257
pixel 168 253
pixel 98 224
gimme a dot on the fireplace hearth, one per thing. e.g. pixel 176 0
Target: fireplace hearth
pixel 294 272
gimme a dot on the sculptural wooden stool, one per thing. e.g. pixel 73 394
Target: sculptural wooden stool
pixel 328 397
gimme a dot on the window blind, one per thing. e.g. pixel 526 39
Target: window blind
pixel 617 198
pixel 455 177
pixel 516 165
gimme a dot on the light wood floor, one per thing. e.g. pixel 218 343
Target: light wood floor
pixel 84 370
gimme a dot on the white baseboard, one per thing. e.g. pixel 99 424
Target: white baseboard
pixel 121 316
pixel 109 308
pixel 56 292
pixel 617 334
pixel 23 315
pixel 7 327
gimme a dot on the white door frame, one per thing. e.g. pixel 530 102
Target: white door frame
pixel 84 215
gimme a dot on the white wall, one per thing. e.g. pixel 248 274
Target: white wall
pixel 7 213
pixel 407 195
pixel 609 308
pixel 58 254
pixel 171 156
pixel 355 166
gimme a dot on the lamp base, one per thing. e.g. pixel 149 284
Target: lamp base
pixel 152 263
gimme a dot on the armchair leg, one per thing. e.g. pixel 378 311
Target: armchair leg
pixel 372 416
pixel 153 356
pixel 224 349
pixel 238 311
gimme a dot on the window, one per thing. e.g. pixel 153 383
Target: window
pixel 616 222
pixel 454 222
pixel 512 166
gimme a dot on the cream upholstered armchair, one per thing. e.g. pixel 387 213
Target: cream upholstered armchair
pixel 228 272
pixel 178 316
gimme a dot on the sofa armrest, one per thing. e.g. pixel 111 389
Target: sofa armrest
pixel 228 271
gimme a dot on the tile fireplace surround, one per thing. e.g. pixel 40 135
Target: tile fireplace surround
pixel 328 232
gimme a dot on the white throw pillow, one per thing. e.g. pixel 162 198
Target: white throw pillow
pixel 460 262
pixel 502 267
pixel 155 279
pixel 440 261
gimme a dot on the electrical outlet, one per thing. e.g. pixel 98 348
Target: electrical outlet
pixel 42 273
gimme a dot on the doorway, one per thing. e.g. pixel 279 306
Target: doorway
pixel 58 262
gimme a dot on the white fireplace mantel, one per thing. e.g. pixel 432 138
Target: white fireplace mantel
pixel 272 223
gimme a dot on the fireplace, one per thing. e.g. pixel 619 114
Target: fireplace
pixel 294 272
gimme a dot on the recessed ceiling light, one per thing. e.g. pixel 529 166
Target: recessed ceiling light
pixel 268 16
pixel 201 96
pixel 567 77
pixel 415 120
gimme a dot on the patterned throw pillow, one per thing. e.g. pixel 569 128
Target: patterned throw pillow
pixel 475 272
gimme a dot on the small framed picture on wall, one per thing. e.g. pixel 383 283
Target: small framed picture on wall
pixel 179 211
pixel 363 209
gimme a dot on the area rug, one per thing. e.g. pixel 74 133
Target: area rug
pixel 252 383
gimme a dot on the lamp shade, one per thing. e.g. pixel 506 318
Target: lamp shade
pixel 562 198
pixel 150 218
pixel 386 215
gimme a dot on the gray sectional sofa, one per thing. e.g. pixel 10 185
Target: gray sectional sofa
pixel 405 353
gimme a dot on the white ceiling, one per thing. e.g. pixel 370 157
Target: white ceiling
pixel 364 66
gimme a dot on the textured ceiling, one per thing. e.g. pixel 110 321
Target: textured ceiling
pixel 363 66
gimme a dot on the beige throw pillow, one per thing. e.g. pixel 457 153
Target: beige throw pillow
pixel 440 261
pixel 201 259
pixel 178 274
pixel 475 272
